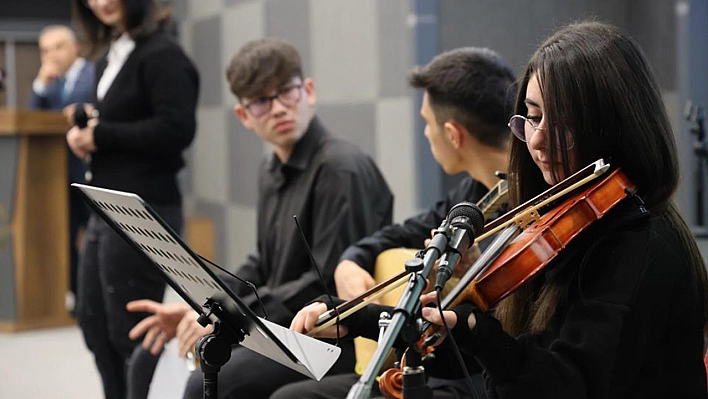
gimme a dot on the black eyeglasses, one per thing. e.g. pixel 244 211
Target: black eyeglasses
pixel 523 128
pixel 288 96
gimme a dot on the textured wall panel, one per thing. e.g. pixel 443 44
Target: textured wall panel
pixel 245 152
pixel 210 156
pixel 395 51
pixel 290 20
pixel 234 2
pixel 206 50
pixel 354 122
pixel 345 40
pixel 428 172
pixel 243 23
pixel 241 234
pixel 199 9
pixel 395 140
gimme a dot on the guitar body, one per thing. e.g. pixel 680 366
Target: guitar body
pixel 388 264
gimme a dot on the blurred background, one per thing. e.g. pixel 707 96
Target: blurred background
pixel 358 53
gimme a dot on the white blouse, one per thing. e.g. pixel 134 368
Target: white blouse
pixel 117 55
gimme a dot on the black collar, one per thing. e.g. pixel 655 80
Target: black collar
pixel 304 149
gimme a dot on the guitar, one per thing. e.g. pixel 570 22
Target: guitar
pixel 388 264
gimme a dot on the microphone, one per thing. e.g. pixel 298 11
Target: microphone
pixel 80 116
pixel 466 220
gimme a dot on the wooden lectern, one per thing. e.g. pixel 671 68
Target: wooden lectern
pixel 34 220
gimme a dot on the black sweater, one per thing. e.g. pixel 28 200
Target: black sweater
pixel 147 118
pixel 413 232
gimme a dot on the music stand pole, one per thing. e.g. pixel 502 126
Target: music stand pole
pixel 214 349
pixel 213 352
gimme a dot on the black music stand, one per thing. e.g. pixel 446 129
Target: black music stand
pixel 234 322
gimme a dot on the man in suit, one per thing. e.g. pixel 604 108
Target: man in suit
pixel 65 78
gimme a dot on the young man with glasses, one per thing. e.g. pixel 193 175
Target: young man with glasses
pixel 336 191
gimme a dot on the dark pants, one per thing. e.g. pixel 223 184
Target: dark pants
pixel 112 273
pixel 248 375
pixel 78 216
pixel 338 386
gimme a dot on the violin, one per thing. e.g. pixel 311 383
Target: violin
pixel 521 216
pixel 525 256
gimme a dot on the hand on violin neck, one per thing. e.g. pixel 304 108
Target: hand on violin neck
pixel 432 314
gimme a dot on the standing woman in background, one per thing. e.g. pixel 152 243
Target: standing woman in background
pixel 146 95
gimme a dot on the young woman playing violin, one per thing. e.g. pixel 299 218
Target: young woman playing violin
pixel 621 311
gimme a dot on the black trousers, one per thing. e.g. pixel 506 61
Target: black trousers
pixel 78 215
pixel 111 273
pixel 248 375
pixel 338 386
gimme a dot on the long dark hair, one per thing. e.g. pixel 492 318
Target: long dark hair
pixel 143 17
pixel 596 84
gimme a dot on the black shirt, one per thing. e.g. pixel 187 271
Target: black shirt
pixel 413 232
pixel 338 195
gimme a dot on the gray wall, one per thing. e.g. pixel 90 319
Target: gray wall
pixel 358 52
pixel 516 27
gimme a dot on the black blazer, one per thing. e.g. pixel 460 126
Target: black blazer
pixel 147 118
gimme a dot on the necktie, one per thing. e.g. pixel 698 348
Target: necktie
pixel 64 89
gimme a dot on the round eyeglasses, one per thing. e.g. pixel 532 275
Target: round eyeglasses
pixel 523 128
pixel 288 96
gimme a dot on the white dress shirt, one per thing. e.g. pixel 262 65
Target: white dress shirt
pixel 117 55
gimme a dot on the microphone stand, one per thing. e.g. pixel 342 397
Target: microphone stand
pixel 414 382
pixel 407 307
pixel 214 349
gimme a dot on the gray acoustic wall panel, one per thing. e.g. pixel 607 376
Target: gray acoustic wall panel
pixel 206 50
pixel 355 122
pixel 245 150
pixel 394 21
pixel 290 20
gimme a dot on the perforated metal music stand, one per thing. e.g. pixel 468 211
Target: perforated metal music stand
pixel 197 284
